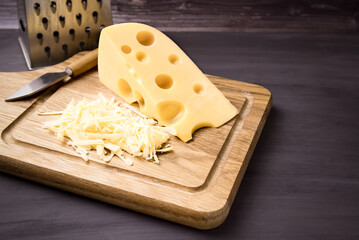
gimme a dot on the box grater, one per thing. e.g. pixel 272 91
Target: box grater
pixel 52 31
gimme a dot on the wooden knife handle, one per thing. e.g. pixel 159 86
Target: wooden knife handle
pixel 83 64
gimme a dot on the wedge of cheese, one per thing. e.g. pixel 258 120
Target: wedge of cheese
pixel 140 63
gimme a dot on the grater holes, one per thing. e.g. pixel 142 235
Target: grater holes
pixel 84 4
pixel 53 6
pixel 82 46
pixel 56 35
pixel 99 2
pixel 45 22
pixel 37 8
pixel 65 48
pixel 69 5
pixel 72 34
pixel 62 20
pixel 78 18
pixel 95 16
pixel 47 50
pixel 88 31
pixel 39 37
pixel 102 27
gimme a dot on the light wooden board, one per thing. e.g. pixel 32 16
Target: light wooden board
pixel 193 185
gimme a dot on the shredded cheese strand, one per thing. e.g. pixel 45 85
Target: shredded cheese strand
pixel 109 128
pixel 50 113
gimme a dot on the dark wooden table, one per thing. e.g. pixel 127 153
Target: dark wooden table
pixel 302 181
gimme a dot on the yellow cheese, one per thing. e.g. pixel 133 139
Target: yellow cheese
pixel 108 128
pixel 140 63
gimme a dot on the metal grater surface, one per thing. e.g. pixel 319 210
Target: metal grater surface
pixel 52 31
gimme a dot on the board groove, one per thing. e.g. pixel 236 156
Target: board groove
pixel 7 136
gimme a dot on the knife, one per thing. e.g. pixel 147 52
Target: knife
pixel 81 65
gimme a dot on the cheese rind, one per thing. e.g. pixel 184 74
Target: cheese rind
pixel 140 63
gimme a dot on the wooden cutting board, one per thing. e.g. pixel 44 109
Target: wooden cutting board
pixel 193 185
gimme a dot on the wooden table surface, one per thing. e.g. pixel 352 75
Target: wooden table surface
pixel 302 181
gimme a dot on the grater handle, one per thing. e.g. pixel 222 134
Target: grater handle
pixel 83 64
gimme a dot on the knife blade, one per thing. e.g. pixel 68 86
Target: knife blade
pixel 76 68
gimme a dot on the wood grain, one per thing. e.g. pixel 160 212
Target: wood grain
pixel 194 185
pixel 228 15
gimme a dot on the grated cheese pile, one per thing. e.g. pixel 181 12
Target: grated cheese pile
pixel 110 129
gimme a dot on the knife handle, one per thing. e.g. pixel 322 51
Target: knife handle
pixel 83 64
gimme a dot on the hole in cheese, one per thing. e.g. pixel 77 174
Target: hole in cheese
pixel 201 125
pixel 173 58
pixel 170 111
pixel 145 38
pixel 198 88
pixel 126 49
pixel 139 99
pixel 125 89
pixel 164 81
pixel 141 56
